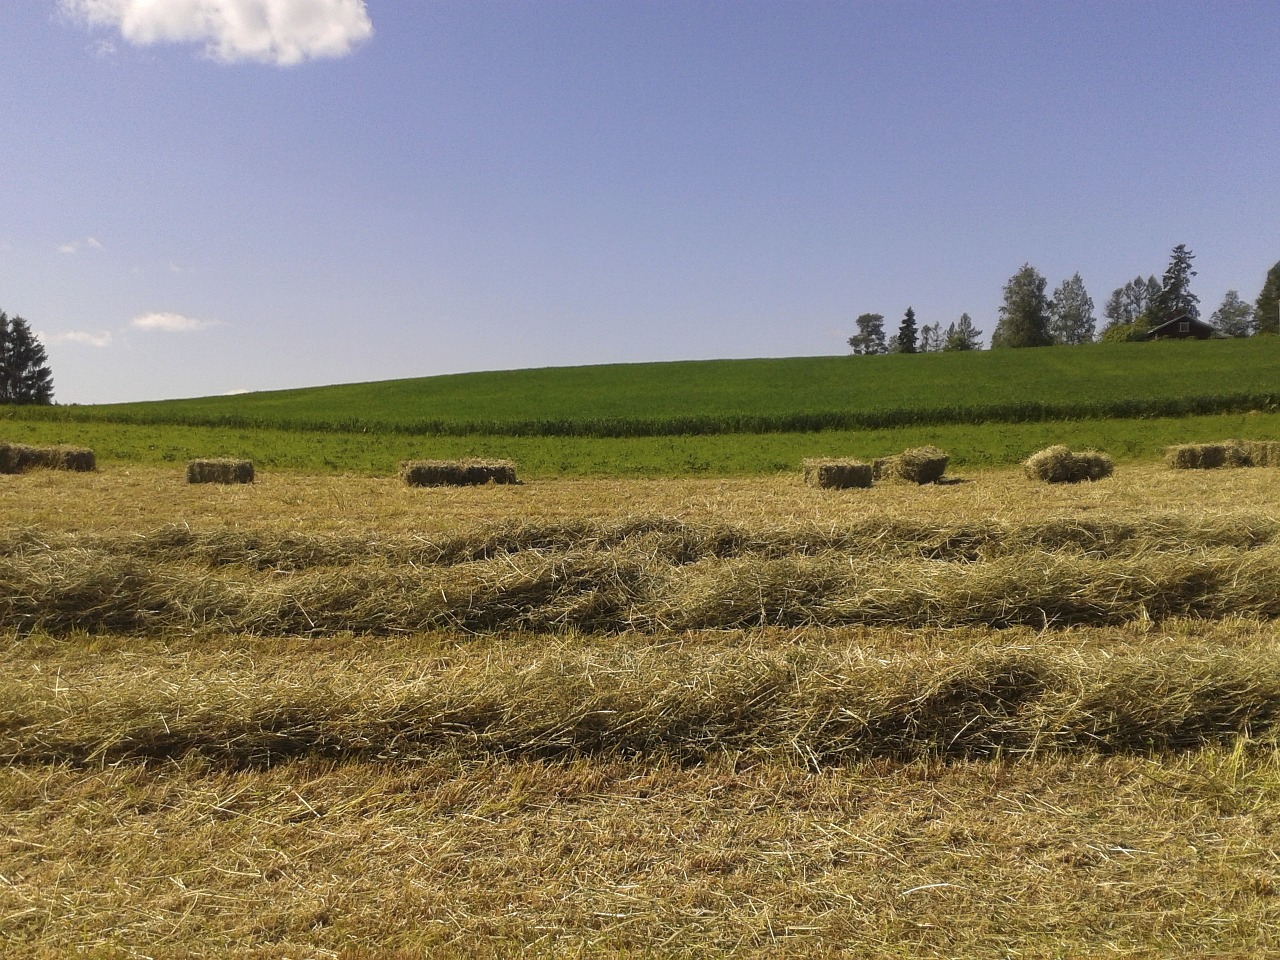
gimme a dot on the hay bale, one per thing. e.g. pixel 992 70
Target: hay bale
pixel 837 474
pixel 77 459
pixel 917 465
pixel 457 473
pixel 1059 464
pixel 1263 453
pixel 19 458
pixel 1225 453
pixel 220 470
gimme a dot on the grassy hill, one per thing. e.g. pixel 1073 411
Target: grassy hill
pixel 755 396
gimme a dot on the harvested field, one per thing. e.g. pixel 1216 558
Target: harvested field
pixel 327 717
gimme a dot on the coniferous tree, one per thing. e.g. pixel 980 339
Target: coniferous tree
pixel 963 335
pixel 1266 311
pixel 1234 317
pixel 906 340
pixel 1071 318
pixel 870 336
pixel 25 377
pixel 1175 292
pixel 1024 315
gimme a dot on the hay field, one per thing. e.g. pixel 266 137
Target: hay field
pixel 338 716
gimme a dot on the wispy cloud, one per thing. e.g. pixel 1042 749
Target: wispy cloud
pixel 73 246
pixel 170 323
pixel 282 32
pixel 82 337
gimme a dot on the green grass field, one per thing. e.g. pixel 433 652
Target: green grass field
pixel 718 418
pixel 758 396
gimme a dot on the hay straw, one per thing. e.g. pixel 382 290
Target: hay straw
pixel 837 474
pixel 1058 464
pixel 19 458
pixel 457 473
pixel 918 465
pixel 220 471
pixel 1226 453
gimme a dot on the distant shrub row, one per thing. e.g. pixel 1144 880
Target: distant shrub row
pixel 701 425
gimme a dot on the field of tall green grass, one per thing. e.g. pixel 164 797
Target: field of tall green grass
pixel 1163 379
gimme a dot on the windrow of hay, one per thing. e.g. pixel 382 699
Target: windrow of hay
pixel 19 458
pixel 612 591
pixel 1227 453
pixel 918 465
pixel 837 474
pixel 667 540
pixel 1059 464
pixel 220 470
pixel 457 473
pixel 818 707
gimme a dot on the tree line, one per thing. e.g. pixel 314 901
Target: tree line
pixel 1030 317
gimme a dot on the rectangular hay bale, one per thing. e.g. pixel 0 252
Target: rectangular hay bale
pixel 1225 453
pixel 220 470
pixel 19 458
pixel 919 465
pixel 1059 464
pixel 457 473
pixel 837 474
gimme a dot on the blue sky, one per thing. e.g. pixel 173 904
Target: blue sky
pixel 206 196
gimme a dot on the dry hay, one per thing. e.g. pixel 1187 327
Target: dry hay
pixel 837 474
pixel 19 458
pixel 457 473
pixel 1058 464
pixel 220 471
pixel 917 465
pixel 1226 453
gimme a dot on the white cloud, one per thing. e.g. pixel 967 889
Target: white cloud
pixel 73 246
pixel 238 392
pixel 169 322
pixel 283 32
pixel 81 336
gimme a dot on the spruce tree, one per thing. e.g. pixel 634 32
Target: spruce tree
pixel 1175 296
pixel 1024 315
pixel 25 377
pixel 1266 311
pixel 906 339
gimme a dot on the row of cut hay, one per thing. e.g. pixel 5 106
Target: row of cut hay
pixel 611 592
pixel 457 473
pixel 220 470
pixel 919 465
pixel 662 540
pixel 19 458
pixel 1227 453
pixel 819 707
pixel 1059 464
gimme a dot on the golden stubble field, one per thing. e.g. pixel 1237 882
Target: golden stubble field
pixel 341 717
